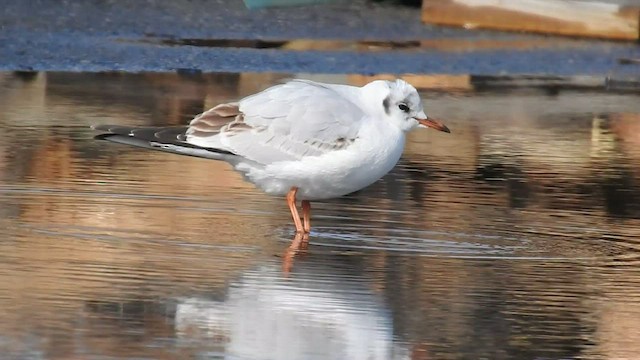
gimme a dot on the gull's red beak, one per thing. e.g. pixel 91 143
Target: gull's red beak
pixel 434 124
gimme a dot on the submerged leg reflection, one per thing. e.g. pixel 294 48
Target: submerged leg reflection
pixel 299 244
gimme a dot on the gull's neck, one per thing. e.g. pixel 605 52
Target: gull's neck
pixel 353 94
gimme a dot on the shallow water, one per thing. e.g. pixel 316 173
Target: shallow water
pixel 515 237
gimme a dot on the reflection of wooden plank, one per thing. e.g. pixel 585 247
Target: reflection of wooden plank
pixel 422 82
pixel 456 83
pixel 564 17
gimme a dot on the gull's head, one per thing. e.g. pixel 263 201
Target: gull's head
pixel 399 103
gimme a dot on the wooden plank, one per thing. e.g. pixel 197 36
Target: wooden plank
pixel 562 17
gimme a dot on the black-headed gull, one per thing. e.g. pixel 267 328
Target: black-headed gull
pixel 301 139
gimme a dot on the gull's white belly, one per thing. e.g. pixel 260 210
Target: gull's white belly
pixel 336 173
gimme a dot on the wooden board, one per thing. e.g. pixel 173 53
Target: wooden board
pixel 599 19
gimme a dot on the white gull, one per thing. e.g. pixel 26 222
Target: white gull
pixel 302 139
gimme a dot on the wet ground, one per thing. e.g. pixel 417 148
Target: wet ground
pixel 514 237
pixel 158 35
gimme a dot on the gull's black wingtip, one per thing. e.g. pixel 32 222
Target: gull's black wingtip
pixel 104 136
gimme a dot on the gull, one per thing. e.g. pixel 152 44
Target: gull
pixel 302 139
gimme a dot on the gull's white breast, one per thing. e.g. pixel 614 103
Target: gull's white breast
pixel 372 155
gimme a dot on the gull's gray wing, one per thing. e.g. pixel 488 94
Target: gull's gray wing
pixel 284 122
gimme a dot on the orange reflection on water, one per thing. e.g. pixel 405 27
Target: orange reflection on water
pixel 515 235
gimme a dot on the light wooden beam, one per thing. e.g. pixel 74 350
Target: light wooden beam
pixel 599 19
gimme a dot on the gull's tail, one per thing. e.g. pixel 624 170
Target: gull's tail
pixel 167 139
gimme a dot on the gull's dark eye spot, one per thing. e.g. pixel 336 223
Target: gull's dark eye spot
pixel 385 104
pixel 403 107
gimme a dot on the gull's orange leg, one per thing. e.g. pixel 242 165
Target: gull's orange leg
pixel 291 201
pixel 306 215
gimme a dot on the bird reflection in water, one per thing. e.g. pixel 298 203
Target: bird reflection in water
pixel 319 311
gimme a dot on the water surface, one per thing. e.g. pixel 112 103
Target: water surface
pixel 515 237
